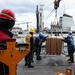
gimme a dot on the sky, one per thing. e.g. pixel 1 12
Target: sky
pixel 25 10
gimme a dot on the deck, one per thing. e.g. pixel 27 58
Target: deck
pixel 49 65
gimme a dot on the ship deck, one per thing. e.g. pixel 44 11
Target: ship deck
pixel 49 65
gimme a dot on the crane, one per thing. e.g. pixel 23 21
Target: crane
pixel 56 5
pixel 24 23
pixel 54 25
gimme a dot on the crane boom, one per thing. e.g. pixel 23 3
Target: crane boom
pixel 24 23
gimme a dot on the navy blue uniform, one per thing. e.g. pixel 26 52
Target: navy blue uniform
pixel 38 43
pixel 71 47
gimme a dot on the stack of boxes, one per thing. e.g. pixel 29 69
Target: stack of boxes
pixel 54 45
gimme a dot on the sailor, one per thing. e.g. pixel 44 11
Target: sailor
pixel 69 35
pixel 30 40
pixel 71 48
pixel 7 21
pixel 38 43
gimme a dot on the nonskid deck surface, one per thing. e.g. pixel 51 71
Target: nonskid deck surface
pixel 49 65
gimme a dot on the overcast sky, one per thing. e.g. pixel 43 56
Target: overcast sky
pixel 25 10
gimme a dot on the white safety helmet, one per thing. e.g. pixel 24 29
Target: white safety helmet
pixel 70 33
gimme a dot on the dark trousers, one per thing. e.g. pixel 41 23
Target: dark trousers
pixel 38 51
pixel 3 69
pixel 71 52
pixel 29 57
pixel 68 50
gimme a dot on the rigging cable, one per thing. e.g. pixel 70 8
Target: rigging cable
pixel 50 14
pixel 49 5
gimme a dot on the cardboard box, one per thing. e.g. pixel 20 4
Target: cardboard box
pixel 54 45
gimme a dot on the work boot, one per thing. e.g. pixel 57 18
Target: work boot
pixel 26 64
pixel 32 61
pixel 69 60
pixel 39 58
pixel 67 55
pixel 72 60
pixel 30 66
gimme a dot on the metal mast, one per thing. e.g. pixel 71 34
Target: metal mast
pixel 37 18
pixel 41 17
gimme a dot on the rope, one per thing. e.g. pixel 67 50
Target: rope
pixel 49 14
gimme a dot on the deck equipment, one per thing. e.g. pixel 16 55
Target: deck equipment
pixel 13 54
